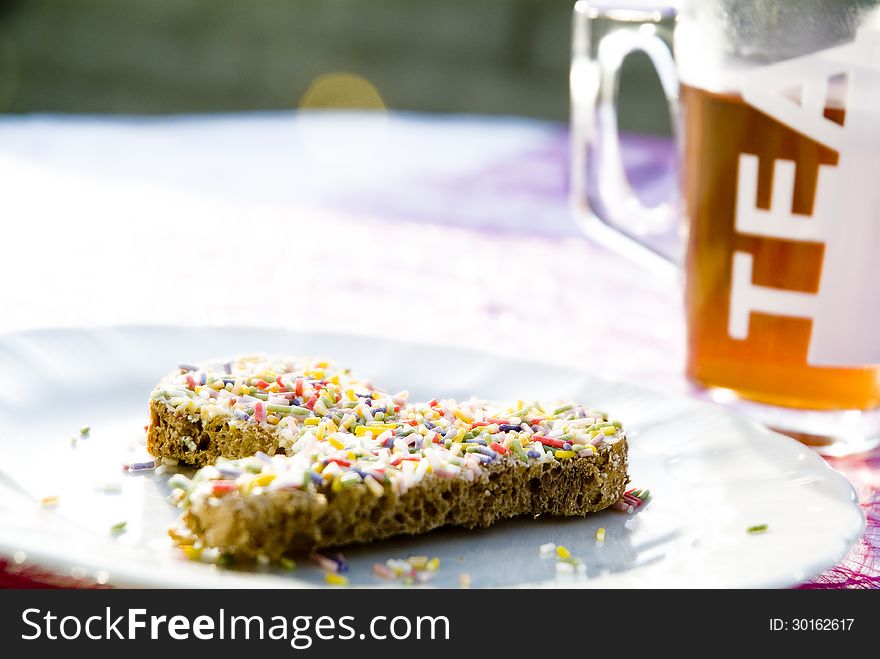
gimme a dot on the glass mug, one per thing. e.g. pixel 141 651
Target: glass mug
pixel 776 109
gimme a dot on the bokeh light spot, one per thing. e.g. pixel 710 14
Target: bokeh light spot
pixel 341 91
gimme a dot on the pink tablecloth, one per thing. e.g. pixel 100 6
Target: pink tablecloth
pixel 459 224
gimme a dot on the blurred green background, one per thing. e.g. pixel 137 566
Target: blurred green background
pixel 179 56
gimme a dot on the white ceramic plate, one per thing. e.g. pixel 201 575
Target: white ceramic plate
pixel 712 474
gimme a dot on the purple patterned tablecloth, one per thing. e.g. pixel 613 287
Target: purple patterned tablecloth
pixel 459 224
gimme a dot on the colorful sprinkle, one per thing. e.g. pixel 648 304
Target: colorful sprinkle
pixel 324 562
pixel 139 466
pixel 414 569
pixel 192 553
pixel 631 500
pixel 758 528
pixel 418 562
pixel 336 579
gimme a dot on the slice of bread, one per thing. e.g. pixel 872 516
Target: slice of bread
pixel 271 522
pixel 299 455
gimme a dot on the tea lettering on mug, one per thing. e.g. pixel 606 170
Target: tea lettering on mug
pixel 845 313
pixel 746 297
pixel 770 90
pixel 779 221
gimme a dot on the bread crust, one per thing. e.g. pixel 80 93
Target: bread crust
pixel 274 523
pixel 191 441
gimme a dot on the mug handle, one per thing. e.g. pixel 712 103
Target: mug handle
pixel 601 194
